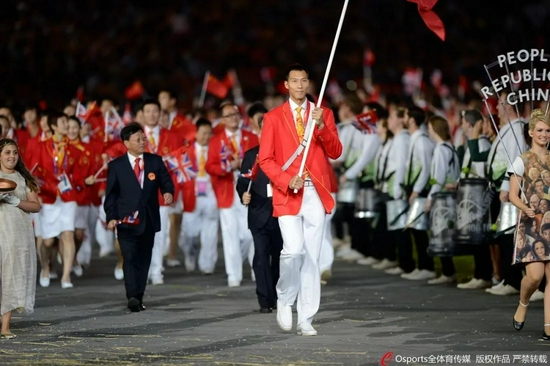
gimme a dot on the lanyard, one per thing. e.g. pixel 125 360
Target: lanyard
pixel 64 164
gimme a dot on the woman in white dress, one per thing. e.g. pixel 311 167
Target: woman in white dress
pixel 17 250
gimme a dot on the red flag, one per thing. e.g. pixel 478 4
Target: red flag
pixel 433 22
pixel 134 91
pixel 252 173
pixel 230 79
pixel 216 87
pixel 366 122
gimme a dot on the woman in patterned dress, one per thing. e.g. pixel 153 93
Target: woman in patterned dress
pixel 17 250
pixel 533 256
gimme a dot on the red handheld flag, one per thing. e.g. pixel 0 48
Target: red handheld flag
pixel 433 22
pixel 216 87
pixel 134 91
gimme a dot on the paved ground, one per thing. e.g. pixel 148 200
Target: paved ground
pixel 197 320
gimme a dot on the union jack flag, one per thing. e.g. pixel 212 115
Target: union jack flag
pixel 179 163
pixel 252 173
pixel 113 125
pixel 366 122
pixel 130 220
pixel 225 157
pixel 81 112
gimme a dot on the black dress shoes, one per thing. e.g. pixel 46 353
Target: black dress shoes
pixel 265 310
pixel 133 305
pixel 518 325
pixel 545 337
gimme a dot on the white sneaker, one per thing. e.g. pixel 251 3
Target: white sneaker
pixel 306 329
pixel 157 281
pixel 394 271
pixel 410 275
pixel 420 275
pixel 53 275
pixel 119 273
pixel 368 261
pixel 442 280
pixel 537 296
pixel 44 281
pixel 190 265
pixel 173 263
pixel 233 283
pixel 284 316
pixel 65 285
pixel 474 284
pixel 343 250
pixel 385 264
pixel 504 291
pixel 495 286
pixel 353 255
pixel 77 270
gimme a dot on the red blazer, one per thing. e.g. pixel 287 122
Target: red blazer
pixel 279 141
pixel 222 180
pixel 183 128
pixel 168 142
pixel 189 195
pixel 45 172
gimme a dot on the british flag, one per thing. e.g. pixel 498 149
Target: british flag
pixel 252 173
pixel 225 157
pixel 113 125
pixel 81 112
pixel 179 163
pixel 366 122
pixel 130 220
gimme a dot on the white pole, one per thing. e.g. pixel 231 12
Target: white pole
pixel 323 86
pixel 203 91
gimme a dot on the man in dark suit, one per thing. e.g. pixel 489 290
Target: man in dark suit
pixel 132 208
pixel 268 241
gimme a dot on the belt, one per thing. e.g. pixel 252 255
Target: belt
pixel 308 183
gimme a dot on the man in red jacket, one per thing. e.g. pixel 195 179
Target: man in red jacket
pixel 302 214
pixel 225 153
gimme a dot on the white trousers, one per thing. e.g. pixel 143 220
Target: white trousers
pixel 84 254
pixel 299 269
pixel 105 237
pixel 237 239
pixel 326 257
pixel 201 226
pixel 155 271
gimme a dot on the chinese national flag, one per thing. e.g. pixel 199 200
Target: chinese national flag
pixel 216 87
pixel 134 91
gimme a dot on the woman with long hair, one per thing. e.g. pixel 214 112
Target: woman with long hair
pixel 535 267
pixel 17 249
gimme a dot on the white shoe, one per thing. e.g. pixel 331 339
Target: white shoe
pixel 385 264
pixel 77 270
pixel 495 286
pixel 119 273
pixel 306 329
pixel 413 273
pixel 190 265
pixel 442 280
pixel 353 255
pixel 337 243
pixel 53 276
pixel 537 296
pixel 104 253
pixel 66 285
pixel 44 281
pixel 343 250
pixel 157 281
pixel 233 283
pixel 284 316
pixel 368 261
pixel 419 275
pixel 504 291
pixel 173 263
pixel 474 284
pixel 394 271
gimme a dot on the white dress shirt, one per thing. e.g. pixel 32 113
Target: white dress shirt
pixel 132 159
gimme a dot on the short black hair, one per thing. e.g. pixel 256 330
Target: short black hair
pixel 295 67
pixel 171 93
pixel 256 107
pixel 129 130
pixel 381 112
pixel 472 116
pixel 53 116
pixel 417 114
pixel 150 101
pixel 203 122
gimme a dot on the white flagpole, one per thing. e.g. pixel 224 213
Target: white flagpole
pixel 323 86
pixel 203 90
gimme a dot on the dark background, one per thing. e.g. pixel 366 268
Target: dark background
pixel 49 48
